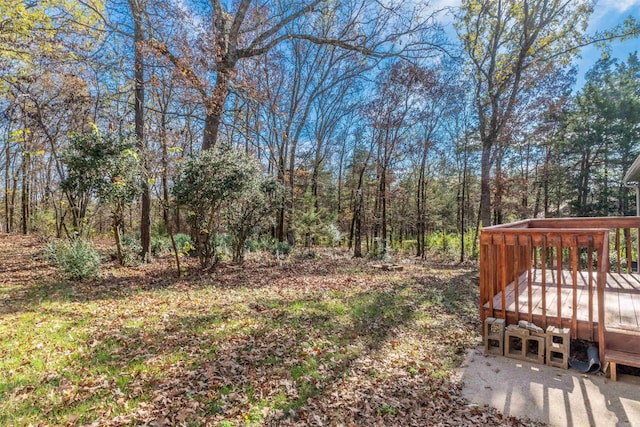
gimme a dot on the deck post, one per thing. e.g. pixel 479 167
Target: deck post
pixel 560 278
pixel 574 286
pixel 529 278
pixel 590 284
pixel 603 268
pixel 483 280
pixel 638 215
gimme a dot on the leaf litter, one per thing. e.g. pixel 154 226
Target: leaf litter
pixel 295 342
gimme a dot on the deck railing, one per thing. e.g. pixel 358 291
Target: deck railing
pixel 590 247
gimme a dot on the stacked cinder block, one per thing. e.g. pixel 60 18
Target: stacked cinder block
pixel 558 345
pixel 528 342
pixel 524 341
pixel 515 339
pixel 535 343
pixel 494 336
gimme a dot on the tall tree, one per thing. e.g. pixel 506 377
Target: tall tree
pixel 509 44
pixel 137 9
pixel 255 28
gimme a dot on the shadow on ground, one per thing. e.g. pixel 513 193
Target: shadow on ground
pixel 551 395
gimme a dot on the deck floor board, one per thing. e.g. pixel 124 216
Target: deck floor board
pixel 622 297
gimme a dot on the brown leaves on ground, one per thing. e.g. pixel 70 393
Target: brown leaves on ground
pixel 278 342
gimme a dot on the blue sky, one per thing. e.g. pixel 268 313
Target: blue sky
pixel 607 14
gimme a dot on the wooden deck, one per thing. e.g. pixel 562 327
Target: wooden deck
pixel 588 284
pixel 622 298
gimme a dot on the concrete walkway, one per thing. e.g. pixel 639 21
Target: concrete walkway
pixel 554 396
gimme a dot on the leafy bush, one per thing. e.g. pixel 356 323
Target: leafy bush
pixel 159 229
pixel 207 182
pixel 131 250
pixel 44 222
pixel 106 166
pixel 257 202
pixel 281 248
pixel 333 235
pixel 184 243
pixel 78 258
pixel 308 254
pixel 51 250
pixel 160 245
pixel 253 245
pixel 448 244
pixel 223 244
pixel 381 250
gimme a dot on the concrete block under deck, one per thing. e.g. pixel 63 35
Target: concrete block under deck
pixel 558 345
pixel 494 336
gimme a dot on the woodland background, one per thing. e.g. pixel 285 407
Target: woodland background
pixel 239 125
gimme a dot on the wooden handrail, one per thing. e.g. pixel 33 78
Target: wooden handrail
pixel 585 222
pixel 560 236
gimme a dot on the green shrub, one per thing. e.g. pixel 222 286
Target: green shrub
pixel 44 222
pixel 184 244
pixel 204 184
pixel 160 245
pixel 448 244
pixel 131 250
pixel 223 245
pixel 78 258
pixel 253 245
pixel 281 248
pixel 159 229
pixel 308 254
pixel 51 251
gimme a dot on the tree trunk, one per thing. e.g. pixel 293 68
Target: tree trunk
pixel 462 206
pixel 357 215
pixel 138 38
pixel 340 165
pixel 117 225
pixel 7 175
pixel 280 226
pixel 485 187
pixel 215 109
pixel 165 189
pixel 499 190
pixel 25 193
pixel 383 197
pixel 12 205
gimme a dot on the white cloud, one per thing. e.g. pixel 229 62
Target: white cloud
pixel 621 6
pixel 438 4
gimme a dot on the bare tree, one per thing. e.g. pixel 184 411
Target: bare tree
pixel 254 28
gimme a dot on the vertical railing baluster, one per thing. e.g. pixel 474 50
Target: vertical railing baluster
pixel 543 264
pixel 603 268
pixel 491 272
pixel 574 278
pixel 638 250
pixel 529 278
pixel 559 283
pixel 516 274
pixel 618 250
pixel 627 238
pixel 590 269
pixel 503 264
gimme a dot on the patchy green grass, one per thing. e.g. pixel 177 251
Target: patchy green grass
pixel 293 343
